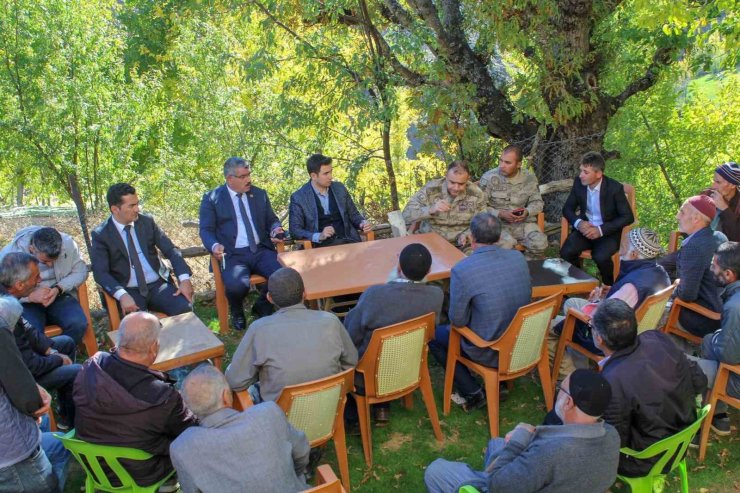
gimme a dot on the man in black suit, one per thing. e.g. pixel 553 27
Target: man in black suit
pixel 125 260
pixel 603 211
pixel 238 225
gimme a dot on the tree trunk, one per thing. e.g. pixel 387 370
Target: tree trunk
pixel 19 190
pixel 74 192
pixel 386 135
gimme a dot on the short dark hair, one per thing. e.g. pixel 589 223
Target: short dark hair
pixel 285 287
pixel 615 323
pixel 117 191
pixel 231 164
pixel 728 257
pixel 14 267
pixel 315 162
pixel 415 261
pixel 459 166
pixel 485 228
pixel 47 241
pixel 516 150
pixel 593 160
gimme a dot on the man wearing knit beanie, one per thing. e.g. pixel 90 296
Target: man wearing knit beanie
pixel 694 262
pixel 725 196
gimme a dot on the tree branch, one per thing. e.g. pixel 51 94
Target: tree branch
pixel 661 59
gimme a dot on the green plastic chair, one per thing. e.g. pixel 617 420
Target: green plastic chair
pixel 89 455
pixel 671 449
pixel 468 489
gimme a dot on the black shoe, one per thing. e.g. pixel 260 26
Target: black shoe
pixel 503 392
pixel 238 321
pixel 382 416
pixel 721 424
pixel 696 441
pixel 262 308
pixel 474 401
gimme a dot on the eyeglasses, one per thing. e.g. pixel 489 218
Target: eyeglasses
pixel 560 387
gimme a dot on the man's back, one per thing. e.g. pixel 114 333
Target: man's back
pixel 257 451
pixel 295 345
pixel 653 394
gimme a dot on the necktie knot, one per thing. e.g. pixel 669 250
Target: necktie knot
pixel 127 228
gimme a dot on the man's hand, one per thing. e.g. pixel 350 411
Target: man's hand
pixel 218 251
pixel 506 216
pixel 53 293
pixel 39 295
pixel 128 304
pixel 365 226
pixel 327 233
pixel 595 294
pixel 592 233
pixel 719 200
pixel 462 240
pixel 65 359
pixel 45 402
pixel 185 289
pixel 439 206
pixel 584 226
pixel 521 217
pixel 276 232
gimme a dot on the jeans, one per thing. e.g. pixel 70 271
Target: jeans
pixel 43 472
pixel 61 379
pixel 65 312
pixel 465 382
pixel 443 476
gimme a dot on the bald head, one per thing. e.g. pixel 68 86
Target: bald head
pixel 138 335
pixel 205 391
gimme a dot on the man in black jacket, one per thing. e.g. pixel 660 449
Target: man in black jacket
pixel 654 385
pixel 125 261
pixel 598 211
pixel 50 360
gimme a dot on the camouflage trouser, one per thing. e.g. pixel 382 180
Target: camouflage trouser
pixel 528 234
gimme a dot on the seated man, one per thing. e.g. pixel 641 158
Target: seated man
pixel 62 270
pixel 654 385
pixel 446 205
pixel 402 298
pixel 30 461
pixel 640 276
pixel 257 450
pixel 50 360
pixel 486 290
pixel 295 345
pixel 723 345
pixel 238 225
pixel 580 455
pixel 598 211
pixel 727 200
pixel 322 210
pixel 513 196
pixel 125 261
pixel 121 401
pixel 697 284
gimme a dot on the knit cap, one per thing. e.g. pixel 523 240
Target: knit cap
pixel 646 242
pixel 730 171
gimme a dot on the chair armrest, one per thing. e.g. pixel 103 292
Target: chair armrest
pixel 325 474
pixel 541 221
pixel 474 338
pixel 369 236
pixel 695 307
pixel 306 244
pixel 577 314
pixel 242 400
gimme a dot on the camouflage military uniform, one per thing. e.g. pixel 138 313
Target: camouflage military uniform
pixel 449 224
pixel 512 193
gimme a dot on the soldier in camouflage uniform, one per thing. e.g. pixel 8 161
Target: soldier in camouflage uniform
pixel 513 195
pixel 446 205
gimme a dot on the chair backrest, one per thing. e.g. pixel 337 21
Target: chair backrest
pixel 651 310
pixel 392 362
pixel 672 449
pixel 314 407
pixel 89 456
pixel 526 334
pixel 398 225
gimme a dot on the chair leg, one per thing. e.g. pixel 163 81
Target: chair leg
pixel 565 337
pixel 363 412
pixel 408 401
pixel 217 362
pixel 684 476
pixel 544 370
pixel 340 446
pixel 428 395
pixel 492 398
pixel 89 341
pixel 52 421
pixel 453 351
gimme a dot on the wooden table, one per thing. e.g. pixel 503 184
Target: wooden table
pixel 184 340
pixel 553 274
pixel 352 268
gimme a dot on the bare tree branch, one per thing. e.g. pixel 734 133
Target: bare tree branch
pixel 661 59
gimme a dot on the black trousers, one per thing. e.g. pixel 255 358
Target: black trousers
pixel 602 250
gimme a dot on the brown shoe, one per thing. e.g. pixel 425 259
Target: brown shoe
pixel 382 416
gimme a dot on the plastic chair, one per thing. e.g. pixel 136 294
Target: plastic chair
pixel 629 191
pixel 394 365
pixel 648 315
pixel 718 393
pixel 326 481
pixel 89 455
pixel 88 339
pixel 672 453
pixel 672 325
pixel 468 489
pixel 521 348
pixel 317 409
pixel 114 316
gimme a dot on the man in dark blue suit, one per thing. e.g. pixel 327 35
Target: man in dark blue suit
pixel 322 210
pixel 238 225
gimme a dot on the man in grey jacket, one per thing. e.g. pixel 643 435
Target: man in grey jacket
pixel 257 450
pixel 54 300
pixel 580 455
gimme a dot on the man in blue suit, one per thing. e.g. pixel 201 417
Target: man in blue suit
pixel 238 225
pixel 322 210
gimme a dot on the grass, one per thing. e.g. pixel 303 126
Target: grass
pixel 404 448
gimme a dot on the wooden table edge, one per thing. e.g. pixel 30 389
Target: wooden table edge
pixel 212 353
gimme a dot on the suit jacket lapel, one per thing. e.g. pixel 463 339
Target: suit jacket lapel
pixel 337 195
pixel 112 231
pixel 228 203
pixel 311 204
pixel 602 198
pixel 256 217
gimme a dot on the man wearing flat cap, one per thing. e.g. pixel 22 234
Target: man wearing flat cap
pixel 640 276
pixel 580 455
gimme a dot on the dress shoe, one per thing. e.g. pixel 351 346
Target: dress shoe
pixel 238 321
pixel 474 401
pixel 382 416
pixel 721 424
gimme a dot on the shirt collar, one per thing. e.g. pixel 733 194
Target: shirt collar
pixel 215 419
pixel 316 190
pixel 231 192
pixel 120 226
pixel 297 306
pixel 597 188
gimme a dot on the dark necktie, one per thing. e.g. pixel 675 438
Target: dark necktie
pixel 133 258
pixel 247 224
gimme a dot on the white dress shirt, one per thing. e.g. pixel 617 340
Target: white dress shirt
pixel 593 207
pixel 242 240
